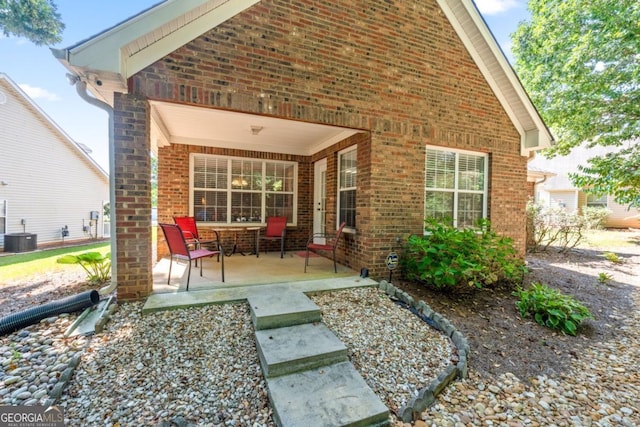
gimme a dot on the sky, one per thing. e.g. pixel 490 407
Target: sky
pixel 42 77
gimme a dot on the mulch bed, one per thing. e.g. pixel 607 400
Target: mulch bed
pixel 502 341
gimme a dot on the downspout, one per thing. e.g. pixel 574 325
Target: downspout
pixel 81 88
pixel 535 187
pixel 544 178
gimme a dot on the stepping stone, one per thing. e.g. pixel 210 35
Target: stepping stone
pixel 329 396
pixel 296 348
pixel 271 310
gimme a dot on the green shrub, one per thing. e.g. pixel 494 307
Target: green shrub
pixel 604 278
pixel 613 257
pixel 448 258
pixel 552 226
pixel 97 266
pixel 551 308
pixel 594 217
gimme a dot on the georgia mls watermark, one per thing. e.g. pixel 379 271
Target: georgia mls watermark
pixel 31 416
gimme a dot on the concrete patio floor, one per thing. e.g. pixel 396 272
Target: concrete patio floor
pixel 245 276
pixel 249 270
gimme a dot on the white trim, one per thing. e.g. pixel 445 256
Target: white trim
pixel 456 190
pixel 165 45
pixel 486 53
pixel 229 190
pixel 319 193
pixel 106 60
pixel 349 149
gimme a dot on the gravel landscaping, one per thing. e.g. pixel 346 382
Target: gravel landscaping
pixel 199 366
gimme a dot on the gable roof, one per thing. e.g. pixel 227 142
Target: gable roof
pixel 108 59
pixel 78 148
pixel 493 64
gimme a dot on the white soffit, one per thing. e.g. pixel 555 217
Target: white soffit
pixel 185 124
pixel 123 50
pixel 466 20
pixel 145 50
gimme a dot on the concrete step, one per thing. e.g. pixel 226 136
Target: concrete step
pixel 296 348
pixel 328 396
pixel 270 310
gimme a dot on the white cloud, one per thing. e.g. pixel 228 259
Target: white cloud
pixel 494 7
pixel 38 93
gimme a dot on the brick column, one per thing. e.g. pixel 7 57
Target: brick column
pixel 133 196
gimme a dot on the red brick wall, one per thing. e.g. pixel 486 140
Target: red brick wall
pixel 133 197
pixel 395 70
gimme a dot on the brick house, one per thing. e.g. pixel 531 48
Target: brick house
pixel 364 109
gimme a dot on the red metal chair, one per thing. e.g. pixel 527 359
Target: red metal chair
pixel 276 230
pixel 330 245
pixel 179 249
pixel 190 231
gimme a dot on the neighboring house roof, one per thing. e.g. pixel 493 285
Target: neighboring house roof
pixel 562 166
pixel 78 148
pixel 106 60
pixel 538 175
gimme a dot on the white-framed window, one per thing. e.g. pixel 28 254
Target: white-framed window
pixel 347 179
pixel 456 186
pixel 595 201
pixel 227 190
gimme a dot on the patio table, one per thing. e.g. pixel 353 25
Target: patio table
pixel 235 230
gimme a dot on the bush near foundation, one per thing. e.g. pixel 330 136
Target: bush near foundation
pixel 459 260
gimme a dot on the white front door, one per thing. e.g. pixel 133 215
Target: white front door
pixel 319 199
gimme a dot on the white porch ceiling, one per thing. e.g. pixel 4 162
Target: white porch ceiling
pixel 184 124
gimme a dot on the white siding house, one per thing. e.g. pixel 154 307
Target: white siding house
pixel 47 181
pixel 557 190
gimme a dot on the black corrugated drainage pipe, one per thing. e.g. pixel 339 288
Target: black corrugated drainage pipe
pixel 32 315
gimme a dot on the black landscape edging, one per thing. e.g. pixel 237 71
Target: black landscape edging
pixel 427 395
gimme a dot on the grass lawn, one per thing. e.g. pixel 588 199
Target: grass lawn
pixel 24 265
pixel 600 239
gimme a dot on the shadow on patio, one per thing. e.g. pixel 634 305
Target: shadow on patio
pixel 246 271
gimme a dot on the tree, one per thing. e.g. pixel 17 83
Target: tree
pixel 580 62
pixel 37 20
